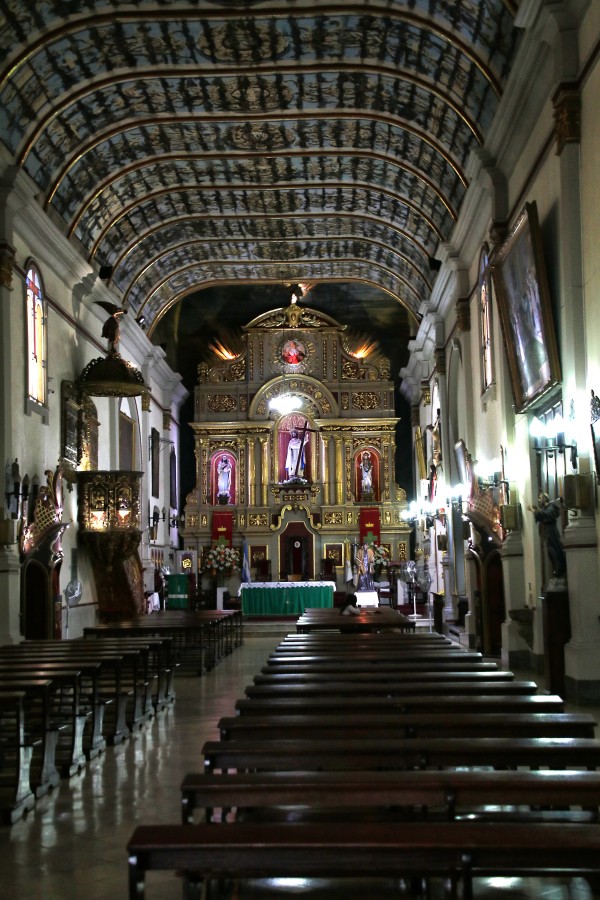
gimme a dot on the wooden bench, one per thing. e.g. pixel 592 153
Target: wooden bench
pixel 478 685
pixel 374 658
pixel 367 620
pixel 40 733
pixel 426 703
pixel 330 754
pixel 116 689
pixel 16 796
pixel 379 676
pixel 453 724
pixel 348 667
pixel 447 794
pixel 456 850
pixel 65 717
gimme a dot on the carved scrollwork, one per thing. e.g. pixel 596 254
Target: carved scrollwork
pixel 366 400
pixel 221 403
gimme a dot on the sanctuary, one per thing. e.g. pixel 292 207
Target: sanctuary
pixel 304 422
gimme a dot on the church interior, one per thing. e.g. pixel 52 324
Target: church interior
pixel 298 300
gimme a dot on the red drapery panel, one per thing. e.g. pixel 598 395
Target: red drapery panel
pixel 222 527
pixel 369 522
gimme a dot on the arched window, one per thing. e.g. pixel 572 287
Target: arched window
pixel 36 339
pixel 485 321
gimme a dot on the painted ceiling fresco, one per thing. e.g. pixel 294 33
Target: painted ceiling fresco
pixel 188 145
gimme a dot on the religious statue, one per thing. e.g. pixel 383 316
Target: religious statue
pixel 547 514
pixel 366 474
pixel 224 480
pixel 111 329
pixel 294 461
pixel 365 566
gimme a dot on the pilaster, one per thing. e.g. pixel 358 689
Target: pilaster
pixel 516 650
pixel 582 652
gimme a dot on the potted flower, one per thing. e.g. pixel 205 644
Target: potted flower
pixel 381 560
pixel 221 561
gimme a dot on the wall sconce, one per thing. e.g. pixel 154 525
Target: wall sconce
pixel 549 438
pixel 153 520
pixel 16 489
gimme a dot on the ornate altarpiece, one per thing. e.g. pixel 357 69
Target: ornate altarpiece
pixel 346 415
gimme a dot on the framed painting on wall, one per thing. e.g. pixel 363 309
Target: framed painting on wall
pixel 334 552
pixel 521 284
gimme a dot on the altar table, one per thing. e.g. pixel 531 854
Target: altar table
pixel 285 598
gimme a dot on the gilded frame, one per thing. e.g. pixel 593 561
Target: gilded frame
pixel 521 286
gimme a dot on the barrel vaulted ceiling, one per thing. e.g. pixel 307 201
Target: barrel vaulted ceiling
pixel 190 145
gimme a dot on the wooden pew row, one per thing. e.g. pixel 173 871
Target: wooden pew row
pixel 54 719
pixel 116 694
pixel 479 684
pixel 200 639
pixel 348 667
pixel 331 754
pixel 426 703
pixel 161 664
pixel 455 850
pixel 59 719
pixel 16 796
pixel 374 658
pixel 456 724
pixel 383 677
pixel 367 620
pixel 395 795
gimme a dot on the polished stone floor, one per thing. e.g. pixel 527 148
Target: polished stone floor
pixel 72 845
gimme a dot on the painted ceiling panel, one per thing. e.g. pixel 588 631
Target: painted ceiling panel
pixel 219 140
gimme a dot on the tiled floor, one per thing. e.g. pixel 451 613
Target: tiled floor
pixel 72 845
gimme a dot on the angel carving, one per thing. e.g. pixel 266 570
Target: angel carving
pixel 111 329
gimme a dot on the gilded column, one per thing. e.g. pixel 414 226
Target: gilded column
pixel 250 448
pixel 264 481
pixel 325 467
pixel 339 471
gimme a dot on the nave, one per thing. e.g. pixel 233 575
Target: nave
pixel 73 844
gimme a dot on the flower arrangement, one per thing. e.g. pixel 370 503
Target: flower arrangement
pixel 221 560
pixel 381 557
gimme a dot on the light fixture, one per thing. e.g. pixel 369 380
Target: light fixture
pixel 549 438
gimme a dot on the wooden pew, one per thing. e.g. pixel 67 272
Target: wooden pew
pixel 426 703
pixel 330 754
pixel 454 724
pixel 117 690
pixel 478 685
pixel 65 718
pixel 200 638
pixel 456 850
pixel 397 794
pixel 378 676
pixel 367 620
pixel 16 796
pixel 374 658
pixel 348 667
pixel 40 732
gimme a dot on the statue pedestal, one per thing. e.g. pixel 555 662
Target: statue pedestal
pixel 557 632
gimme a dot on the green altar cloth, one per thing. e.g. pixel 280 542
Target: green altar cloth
pixel 285 598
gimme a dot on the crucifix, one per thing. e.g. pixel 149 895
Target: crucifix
pixel 303 437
